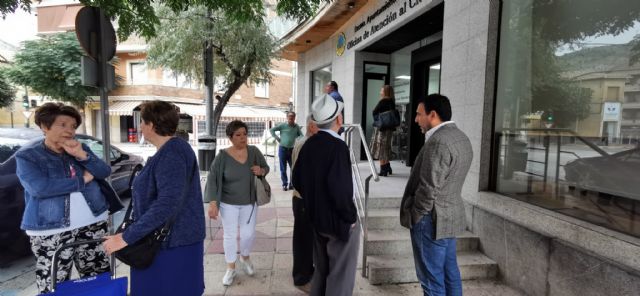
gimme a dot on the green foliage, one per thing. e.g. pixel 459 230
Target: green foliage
pixel 243 50
pixel 592 18
pixel 552 92
pixel 635 50
pixel 139 17
pixel 51 67
pixel 7 92
pixel 10 6
pixel 298 9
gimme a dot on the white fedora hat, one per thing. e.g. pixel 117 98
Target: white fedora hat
pixel 325 109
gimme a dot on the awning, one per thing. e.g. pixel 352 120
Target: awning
pixel 198 111
pixel 123 108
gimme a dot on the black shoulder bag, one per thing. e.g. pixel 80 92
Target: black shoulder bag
pixel 140 254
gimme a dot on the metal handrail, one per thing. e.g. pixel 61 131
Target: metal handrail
pixel 362 196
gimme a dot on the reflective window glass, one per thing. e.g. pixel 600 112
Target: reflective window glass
pixel 567 118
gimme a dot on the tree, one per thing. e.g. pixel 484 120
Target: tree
pixel 7 92
pixel 51 67
pixel 243 51
pixel 635 50
pixel 139 17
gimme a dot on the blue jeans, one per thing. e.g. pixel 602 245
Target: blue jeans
pixel 284 154
pixel 435 260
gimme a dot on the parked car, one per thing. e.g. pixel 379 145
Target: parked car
pixel 615 174
pixel 14 243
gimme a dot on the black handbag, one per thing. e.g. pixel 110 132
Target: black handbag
pixel 110 194
pixel 387 119
pixel 140 255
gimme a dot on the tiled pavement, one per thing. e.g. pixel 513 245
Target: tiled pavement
pixel 273 260
pixel 271 256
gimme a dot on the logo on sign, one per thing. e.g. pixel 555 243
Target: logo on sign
pixel 341 45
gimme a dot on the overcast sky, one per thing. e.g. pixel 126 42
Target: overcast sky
pixel 18 26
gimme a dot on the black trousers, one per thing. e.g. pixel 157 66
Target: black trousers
pixel 302 245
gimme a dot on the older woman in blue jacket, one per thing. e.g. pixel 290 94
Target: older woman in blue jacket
pixel 63 204
pixel 178 267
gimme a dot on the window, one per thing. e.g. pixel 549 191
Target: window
pixel 561 142
pixel 612 93
pixel 138 72
pixel 169 78
pixel 262 89
pixel 320 78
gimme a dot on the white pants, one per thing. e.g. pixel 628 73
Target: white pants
pixel 234 217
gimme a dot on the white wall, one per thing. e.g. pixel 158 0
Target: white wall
pixel 347 69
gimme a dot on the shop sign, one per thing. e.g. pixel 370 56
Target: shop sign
pixel 611 111
pixel 372 24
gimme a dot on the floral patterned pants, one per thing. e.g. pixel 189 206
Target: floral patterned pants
pixel 89 259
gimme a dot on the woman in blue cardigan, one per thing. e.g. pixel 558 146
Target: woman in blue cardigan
pixel 178 267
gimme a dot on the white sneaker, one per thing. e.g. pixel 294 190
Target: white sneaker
pixel 227 280
pixel 247 266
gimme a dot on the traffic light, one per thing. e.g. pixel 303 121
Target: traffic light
pixel 550 116
pixel 34 103
pixel 25 102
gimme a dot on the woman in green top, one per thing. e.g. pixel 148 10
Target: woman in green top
pixel 231 194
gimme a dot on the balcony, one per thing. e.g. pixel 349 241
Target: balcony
pixel 631 105
pixel 157 90
pixel 631 88
pixel 630 122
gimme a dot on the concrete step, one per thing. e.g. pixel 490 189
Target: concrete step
pixel 394 269
pixel 384 202
pixel 384 242
pixel 388 219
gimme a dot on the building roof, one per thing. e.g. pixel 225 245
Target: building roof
pixel 319 28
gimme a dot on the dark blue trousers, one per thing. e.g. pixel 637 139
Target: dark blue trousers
pixel 284 154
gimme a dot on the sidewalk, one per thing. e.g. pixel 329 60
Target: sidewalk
pixel 271 254
pixel 273 260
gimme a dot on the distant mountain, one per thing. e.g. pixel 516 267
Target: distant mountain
pixel 602 58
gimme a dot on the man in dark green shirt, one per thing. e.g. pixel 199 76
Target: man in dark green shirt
pixel 289 131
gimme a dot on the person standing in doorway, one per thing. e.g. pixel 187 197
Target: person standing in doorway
pixel 381 140
pixel 289 131
pixel 432 206
pixel 302 228
pixel 332 89
pixel 322 175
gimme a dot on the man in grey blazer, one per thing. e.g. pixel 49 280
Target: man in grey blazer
pixel 432 206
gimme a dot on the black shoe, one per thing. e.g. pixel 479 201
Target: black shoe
pixel 383 171
pixel 290 187
pixel 285 188
pixel 389 169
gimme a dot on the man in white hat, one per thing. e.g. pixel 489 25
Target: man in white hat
pixel 322 175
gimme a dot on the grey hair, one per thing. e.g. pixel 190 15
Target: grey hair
pixel 327 125
pixel 310 119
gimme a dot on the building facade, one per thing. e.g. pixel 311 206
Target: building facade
pixel 260 105
pixel 552 189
